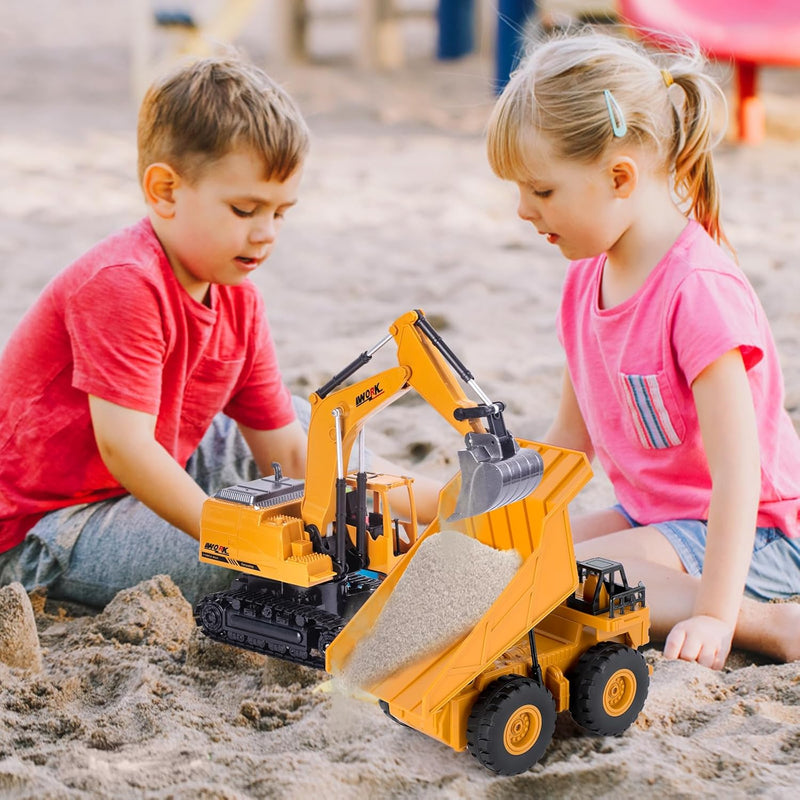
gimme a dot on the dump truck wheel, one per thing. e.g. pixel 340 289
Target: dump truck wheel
pixel 511 724
pixel 608 688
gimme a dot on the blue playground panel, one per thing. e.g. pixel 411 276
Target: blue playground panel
pixel 511 16
pixel 457 32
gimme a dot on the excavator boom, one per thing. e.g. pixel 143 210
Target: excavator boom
pixel 494 469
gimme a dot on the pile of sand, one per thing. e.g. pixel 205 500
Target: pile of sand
pixel 448 585
pixel 157 711
pixel 19 641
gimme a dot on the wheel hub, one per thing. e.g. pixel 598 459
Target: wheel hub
pixel 522 730
pixel 619 692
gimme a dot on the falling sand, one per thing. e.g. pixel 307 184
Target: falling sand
pixel 449 584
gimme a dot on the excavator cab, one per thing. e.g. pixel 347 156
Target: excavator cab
pixel 386 535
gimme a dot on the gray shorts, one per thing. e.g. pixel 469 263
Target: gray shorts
pixel 88 552
pixel 774 569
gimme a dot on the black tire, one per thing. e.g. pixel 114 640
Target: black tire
pixel 212 617
pixel 608 688
pixel 511 725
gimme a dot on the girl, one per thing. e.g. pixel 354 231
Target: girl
pixel 672 376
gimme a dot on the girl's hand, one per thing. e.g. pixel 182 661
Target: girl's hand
pixel 704 639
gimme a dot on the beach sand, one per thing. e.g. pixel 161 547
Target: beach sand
pixel 399 210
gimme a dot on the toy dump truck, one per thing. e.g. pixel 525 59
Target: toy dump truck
pixel 309 553
pixel 561 635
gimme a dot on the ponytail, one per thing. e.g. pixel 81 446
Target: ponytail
pixel 695 180
pixel 559 89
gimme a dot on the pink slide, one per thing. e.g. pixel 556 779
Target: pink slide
pixel 748 33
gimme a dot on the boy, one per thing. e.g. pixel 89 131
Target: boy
pixel 114 381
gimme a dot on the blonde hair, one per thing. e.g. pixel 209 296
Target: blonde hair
pixel 558 92
pixel 209 107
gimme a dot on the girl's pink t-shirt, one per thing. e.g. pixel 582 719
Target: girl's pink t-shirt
pixel 633 365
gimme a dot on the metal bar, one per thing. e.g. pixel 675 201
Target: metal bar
pixel 352 367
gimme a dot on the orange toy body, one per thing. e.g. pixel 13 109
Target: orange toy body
pixel 560 636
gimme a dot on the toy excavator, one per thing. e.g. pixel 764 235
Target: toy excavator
pixel 302 548
pixel 318 566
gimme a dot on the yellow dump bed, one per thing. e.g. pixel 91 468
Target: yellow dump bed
pixel 538 528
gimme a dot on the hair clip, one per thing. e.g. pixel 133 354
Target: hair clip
pixel 667 76
pixel 618 124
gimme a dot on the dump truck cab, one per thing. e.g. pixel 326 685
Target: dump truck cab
pixel 603 588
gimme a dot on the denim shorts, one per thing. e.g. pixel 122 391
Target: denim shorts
pixel 774 569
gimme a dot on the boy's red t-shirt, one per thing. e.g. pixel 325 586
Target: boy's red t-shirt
pixel 117 324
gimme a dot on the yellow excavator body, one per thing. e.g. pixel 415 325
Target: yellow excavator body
pixel 272 543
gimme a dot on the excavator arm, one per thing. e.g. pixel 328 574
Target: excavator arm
pixel 491 463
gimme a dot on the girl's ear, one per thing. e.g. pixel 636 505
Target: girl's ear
pixel 624 176
pixel 158 184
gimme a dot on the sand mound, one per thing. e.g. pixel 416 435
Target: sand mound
pixel 19 641
pixel 154 612
pixel 447 587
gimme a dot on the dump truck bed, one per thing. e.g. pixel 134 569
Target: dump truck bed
pixel 538 528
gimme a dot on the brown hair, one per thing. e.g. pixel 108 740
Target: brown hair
pixel 209 107
pixel 559 92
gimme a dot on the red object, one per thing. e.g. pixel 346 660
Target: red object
pixel 747 32
pixel 117 324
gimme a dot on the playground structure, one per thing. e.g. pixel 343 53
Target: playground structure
pixel 748 33
pixel 378 29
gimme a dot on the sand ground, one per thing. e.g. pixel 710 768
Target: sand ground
pixel 399 210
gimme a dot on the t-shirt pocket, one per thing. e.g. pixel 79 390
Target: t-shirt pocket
pixel 209 389
pixel 652 410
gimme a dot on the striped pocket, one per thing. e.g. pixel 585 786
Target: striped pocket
pixel 652 422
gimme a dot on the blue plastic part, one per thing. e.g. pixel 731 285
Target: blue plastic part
pixel 511 17
pixel 456 28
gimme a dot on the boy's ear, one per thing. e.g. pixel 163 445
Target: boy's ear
pixel 158 184
pixel 624 176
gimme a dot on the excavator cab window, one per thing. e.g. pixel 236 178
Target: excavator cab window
pixel 374 515
pixel 381 518
pixel 375 524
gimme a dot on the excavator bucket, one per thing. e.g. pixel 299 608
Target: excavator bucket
pixel 490 479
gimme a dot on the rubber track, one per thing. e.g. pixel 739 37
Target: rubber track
pixel 286 614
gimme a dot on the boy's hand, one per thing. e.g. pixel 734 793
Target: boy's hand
pixel 704 639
